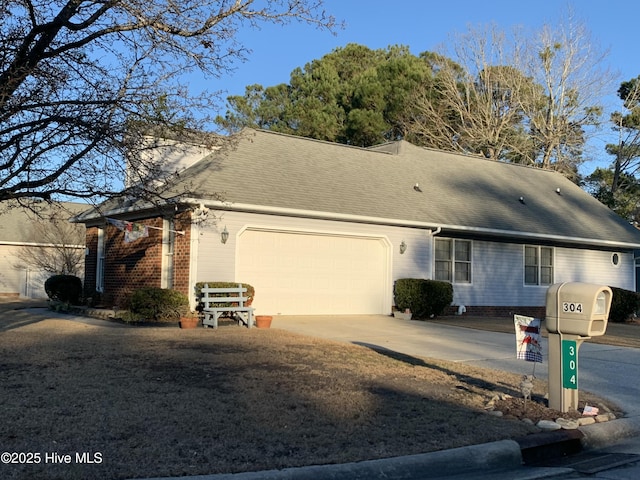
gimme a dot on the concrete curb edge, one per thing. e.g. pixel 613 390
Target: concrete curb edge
pixel 499 456
pixel 599 435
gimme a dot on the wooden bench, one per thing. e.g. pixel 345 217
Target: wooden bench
pixel 214 306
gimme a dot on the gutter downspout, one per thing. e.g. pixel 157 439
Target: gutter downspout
pixel 432 249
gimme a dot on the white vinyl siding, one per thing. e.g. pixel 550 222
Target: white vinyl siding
pixel 497 268
pixel 18 278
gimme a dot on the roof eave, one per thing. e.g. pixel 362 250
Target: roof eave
pixel 509 234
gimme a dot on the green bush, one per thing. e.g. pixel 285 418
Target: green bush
pixel 623 304
pixel 425 298
pixel 250 293
pixel 64 288
pixel 158 304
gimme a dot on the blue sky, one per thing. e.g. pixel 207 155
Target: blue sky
pixel 423 25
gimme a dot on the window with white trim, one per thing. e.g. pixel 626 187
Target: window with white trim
pixel 168 244
pixel 538 265
pixel 100 261
pixel 452 260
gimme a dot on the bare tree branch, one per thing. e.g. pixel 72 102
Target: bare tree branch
pixel 80 78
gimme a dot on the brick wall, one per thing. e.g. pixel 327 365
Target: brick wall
pixel 182 253
pixel 129 266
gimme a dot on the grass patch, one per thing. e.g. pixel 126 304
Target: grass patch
pixel 170 402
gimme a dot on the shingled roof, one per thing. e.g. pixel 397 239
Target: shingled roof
pixel 16 223
pixel 300 176
pixel 401 184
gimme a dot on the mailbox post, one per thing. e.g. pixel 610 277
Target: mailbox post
pixel 575 312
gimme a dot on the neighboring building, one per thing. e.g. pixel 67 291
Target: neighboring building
pixel 323 228
pixel 28 239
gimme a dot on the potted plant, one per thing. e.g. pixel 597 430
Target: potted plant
pixel 406 315
pixel 188 319
pixel 263 321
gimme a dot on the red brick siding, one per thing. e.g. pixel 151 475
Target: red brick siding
pixel 91 260
pixel 182 253
pixel 129 266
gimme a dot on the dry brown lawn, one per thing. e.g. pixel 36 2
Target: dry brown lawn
pixel 157 401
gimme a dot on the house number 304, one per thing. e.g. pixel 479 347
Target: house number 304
pixel 571 307
pixel 569 364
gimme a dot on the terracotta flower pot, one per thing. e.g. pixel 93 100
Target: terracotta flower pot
pixel 263 321
pixel 188 322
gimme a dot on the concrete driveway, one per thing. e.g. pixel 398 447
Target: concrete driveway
pixel 606 370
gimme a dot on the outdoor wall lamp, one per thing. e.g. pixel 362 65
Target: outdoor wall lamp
pixel 224 236
pixel 403 247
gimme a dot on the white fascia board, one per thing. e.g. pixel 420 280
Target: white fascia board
pixel 34 244
pixel 240 207
pixel 116 211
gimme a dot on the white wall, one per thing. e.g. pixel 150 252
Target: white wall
pixel 498 274
pixel 497 268
pixel 217 261
pixel 17 278
pixel 168 155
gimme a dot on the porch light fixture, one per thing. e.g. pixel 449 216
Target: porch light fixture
pixel 224 236
pixel 403 247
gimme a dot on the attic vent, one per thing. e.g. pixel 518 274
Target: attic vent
pixel 417 188
pixel 558 191
pixel 521 199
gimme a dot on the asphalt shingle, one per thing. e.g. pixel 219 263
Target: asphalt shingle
pixel 458 192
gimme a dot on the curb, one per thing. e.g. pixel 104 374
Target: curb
pixel 542 447
pixel 487 459
pixel 601 435
pixel 495 456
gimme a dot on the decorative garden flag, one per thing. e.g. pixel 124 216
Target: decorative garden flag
pixel 528 346
pixel 132 231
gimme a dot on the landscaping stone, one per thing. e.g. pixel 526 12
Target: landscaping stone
pixel 605 417
pixel 586 421
pixel 567 424
pixel 548 425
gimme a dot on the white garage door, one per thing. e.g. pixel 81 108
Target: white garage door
pixel 311 274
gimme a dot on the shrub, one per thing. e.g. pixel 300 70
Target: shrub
pixel 158 304
pixel 250 293
pixel 64 288
pixel 623 304
pixel 92 298
pixel 425 298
